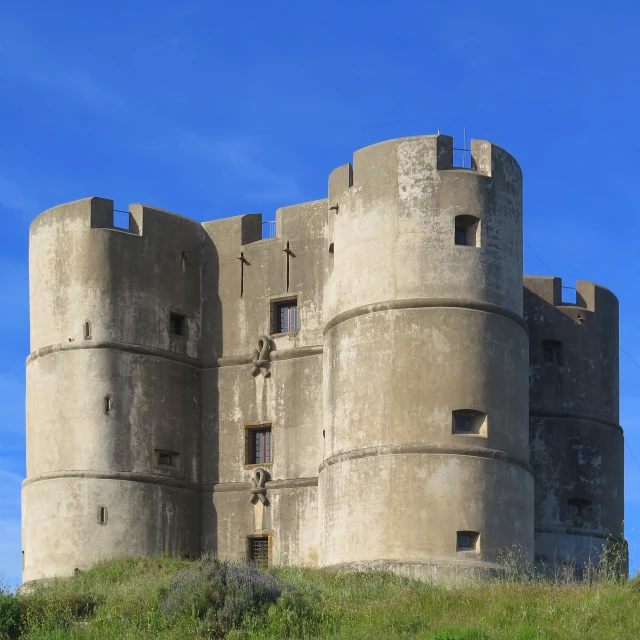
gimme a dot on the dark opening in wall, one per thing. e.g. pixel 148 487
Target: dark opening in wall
pixel 177 324
pixel 258 445
pixel 259 550
pixel 102 515
pixel 331 248
pixel 469 421
pixel 87 330
pixel 552 351
pixel 467 540
pixel 285 316
pixel 164 458
pixel 108 404
pixel 579 507
pixel 467 231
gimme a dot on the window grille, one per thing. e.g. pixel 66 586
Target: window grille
pixel 287 317
pixel 259 550
pixel 260 446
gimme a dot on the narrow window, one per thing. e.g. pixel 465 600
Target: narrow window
pixel 552 351
pixel 467 231
pixel 177 324
pixel 469 421
pixel 259 551
pixel 467 540
pixel 87 331
pixel 331 249
pixel 578 507
pixel 258 450
pixel 108 404
pixel 102 515
pixel 286 316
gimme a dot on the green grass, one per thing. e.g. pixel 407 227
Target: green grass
pixel 171 598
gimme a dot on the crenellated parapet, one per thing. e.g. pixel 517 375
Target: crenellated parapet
pixel 402 206
pixel 84 273
pixel 573 348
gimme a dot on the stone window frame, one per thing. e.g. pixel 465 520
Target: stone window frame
pixel 263 533
pixel 474 537
pixel 256 426
pixel 275 302
pixel 478 423
pixel 467 228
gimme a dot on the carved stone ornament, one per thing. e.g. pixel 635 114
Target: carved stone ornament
pixel 258 490
pixel 261 362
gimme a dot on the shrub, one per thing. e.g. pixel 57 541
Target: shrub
pixel 9 614
pixel 219 595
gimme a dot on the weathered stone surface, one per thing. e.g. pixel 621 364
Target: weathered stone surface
pixel 137 438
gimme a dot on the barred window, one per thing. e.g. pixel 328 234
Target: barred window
pixel 259 550
pixel 260 446
pixel 286 317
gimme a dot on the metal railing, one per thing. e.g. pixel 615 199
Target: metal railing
pixel 269 229
pixel 462 158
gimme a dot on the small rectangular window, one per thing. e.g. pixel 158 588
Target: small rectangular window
pixel 469 421
pixel 164 458
pixel 467 540
pixel 467 231
pixel 285 317
pixel 108 404
pixel 259 445
pixel 578 507
pixel 259 550
pixel 87 331
pixel 552 351
pixel 102 515
pixel 177 324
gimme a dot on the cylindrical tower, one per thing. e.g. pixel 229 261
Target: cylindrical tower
pixel 577 446
pixel 112 390
pixel 425 362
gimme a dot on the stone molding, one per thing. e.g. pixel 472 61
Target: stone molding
pixel 426 303
pixel 428 449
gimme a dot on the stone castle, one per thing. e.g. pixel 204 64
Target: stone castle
pixel 373 386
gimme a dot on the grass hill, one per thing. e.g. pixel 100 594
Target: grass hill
pixel 170 598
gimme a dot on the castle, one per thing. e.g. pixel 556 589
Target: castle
pixel 373 386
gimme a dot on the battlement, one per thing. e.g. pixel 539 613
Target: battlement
pixel 420 155
pixel 589 296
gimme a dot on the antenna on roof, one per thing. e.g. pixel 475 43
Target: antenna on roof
pixel 464 146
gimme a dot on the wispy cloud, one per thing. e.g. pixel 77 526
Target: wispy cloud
pixel 26 59
pixel 241 156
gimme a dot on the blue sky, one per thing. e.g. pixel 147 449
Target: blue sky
pixel 213 109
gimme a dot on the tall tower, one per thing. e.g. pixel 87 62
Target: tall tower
pixel 577 446
pixel 425 362
pixel 112 387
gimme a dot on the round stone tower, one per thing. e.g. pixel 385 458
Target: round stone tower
pixel 425 362
pixel 577 445
pixel 111 387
